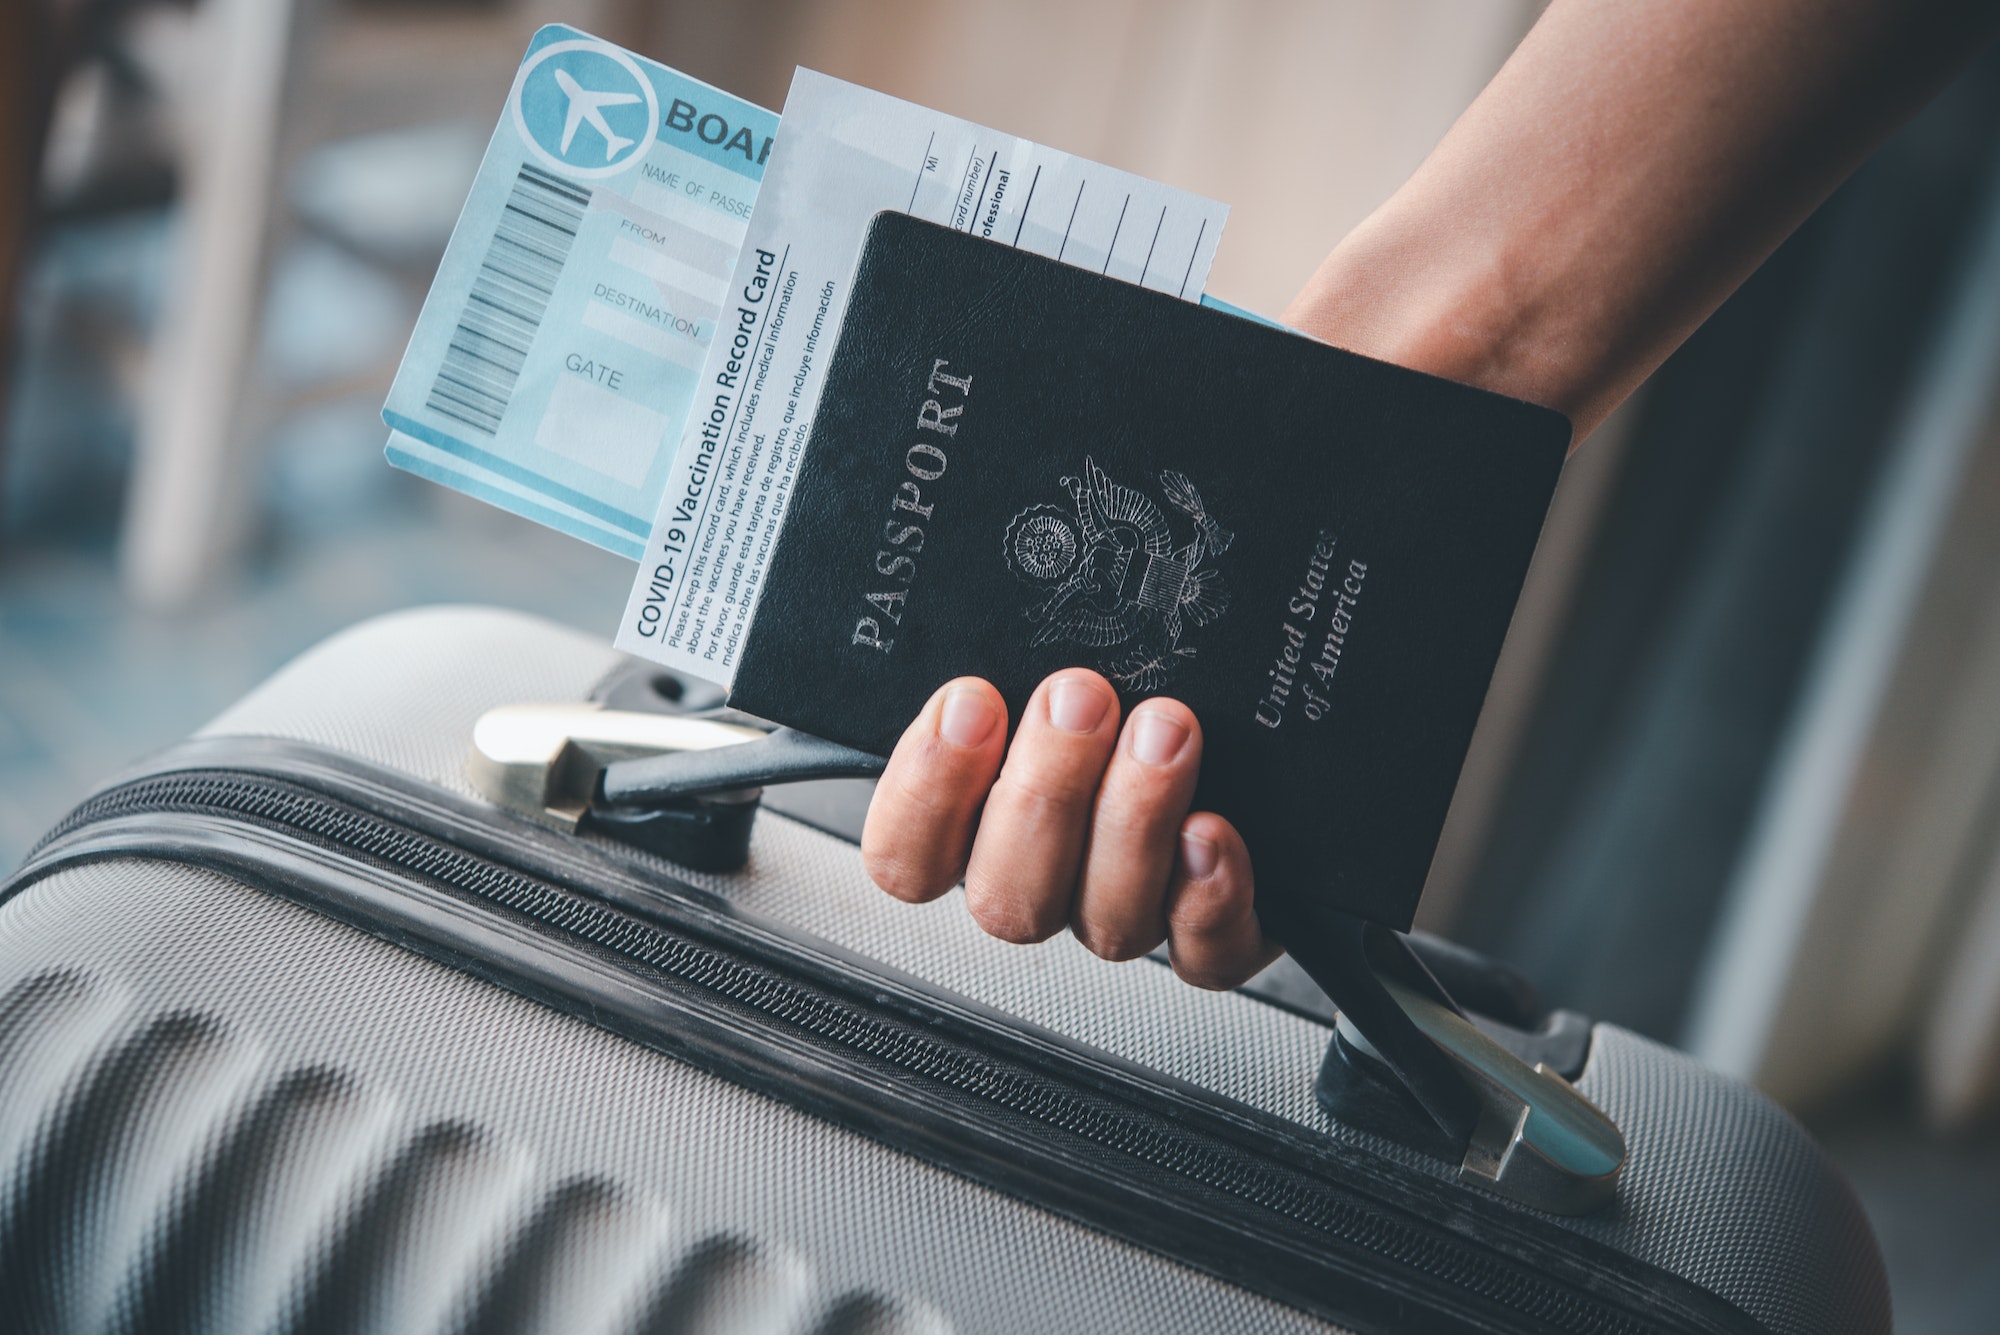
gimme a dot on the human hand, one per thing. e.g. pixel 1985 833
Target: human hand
pixel 1079 823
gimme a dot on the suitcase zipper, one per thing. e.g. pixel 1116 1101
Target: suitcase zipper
pixel 1268 1205
pixel 685 786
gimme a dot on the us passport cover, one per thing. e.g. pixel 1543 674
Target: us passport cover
pixel 1018 466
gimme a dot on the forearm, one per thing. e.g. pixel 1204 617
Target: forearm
pixel 1626 170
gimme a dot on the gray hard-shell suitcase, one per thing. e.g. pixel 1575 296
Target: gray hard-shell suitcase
pixel 298 1032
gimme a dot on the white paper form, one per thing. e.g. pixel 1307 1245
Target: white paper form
pixel 844 154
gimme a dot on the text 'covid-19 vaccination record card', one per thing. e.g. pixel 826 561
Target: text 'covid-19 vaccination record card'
pixel 566 333
pixel 844 155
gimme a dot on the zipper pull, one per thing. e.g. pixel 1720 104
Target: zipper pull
pixel 1517 1129
pixel 1537 1139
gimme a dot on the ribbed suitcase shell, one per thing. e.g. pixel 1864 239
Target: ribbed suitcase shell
pixel 223 1111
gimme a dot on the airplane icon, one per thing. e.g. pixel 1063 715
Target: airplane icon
pixel 585 105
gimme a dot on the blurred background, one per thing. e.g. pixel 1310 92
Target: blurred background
pixel 1737 785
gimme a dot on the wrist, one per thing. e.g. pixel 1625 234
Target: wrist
pixel 1447 302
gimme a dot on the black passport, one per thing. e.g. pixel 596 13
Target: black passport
pixel 1018 466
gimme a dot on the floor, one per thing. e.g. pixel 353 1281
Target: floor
pixel 1935 1204
pixel 87 686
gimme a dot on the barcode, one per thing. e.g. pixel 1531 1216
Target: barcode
pixel 508 299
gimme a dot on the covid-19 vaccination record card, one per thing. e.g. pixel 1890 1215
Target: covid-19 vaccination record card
pixel 846 153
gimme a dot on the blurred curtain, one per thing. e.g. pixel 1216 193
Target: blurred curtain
pixel 1753 472
pixel 1301 116
pixel 31 60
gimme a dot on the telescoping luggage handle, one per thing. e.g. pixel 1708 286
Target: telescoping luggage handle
pixel 684 786
pixel 687 786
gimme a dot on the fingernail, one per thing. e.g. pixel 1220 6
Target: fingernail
pixel 1156 737
pixel 1199 856
pixel 1074 706
pixel 967 717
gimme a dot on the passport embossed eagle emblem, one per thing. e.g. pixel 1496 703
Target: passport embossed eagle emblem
pixel 1113 576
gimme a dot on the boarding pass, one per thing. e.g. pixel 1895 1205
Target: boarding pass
pixel 566 330
pixel 567 365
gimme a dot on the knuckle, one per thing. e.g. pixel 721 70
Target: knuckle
pixel 937 781
pixel 1011 922
pixel 918 800
pixel 1207 982
pixel 1143 805
pixel 1208 975
pixel 1047 789
pixel 897 876
pixel 1117 914
pixel 1115 943
pixel 1009 915
pixel 1057 769
pixel 1204 912
pixel 903 874
pixel 1192 916
pixel 1122 822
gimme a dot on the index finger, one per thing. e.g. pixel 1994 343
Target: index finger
pixel 926 805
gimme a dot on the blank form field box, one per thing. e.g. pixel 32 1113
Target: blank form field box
pixel 605 432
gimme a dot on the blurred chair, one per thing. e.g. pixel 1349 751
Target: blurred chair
pixel 1853 929
pixel 36 38
pixel 192 493
pixel 185 504
pixel 178 508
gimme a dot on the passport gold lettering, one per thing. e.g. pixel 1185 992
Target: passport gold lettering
pixel 1306 601
pixel 908 494
pixel 924 461
pixel 934 416
pixel 963 384
pixel 1283 674
pixel 1316 686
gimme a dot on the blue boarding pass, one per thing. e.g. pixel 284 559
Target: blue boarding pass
pixel 562 341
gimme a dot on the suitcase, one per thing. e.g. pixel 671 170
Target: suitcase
pixel 300 1032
